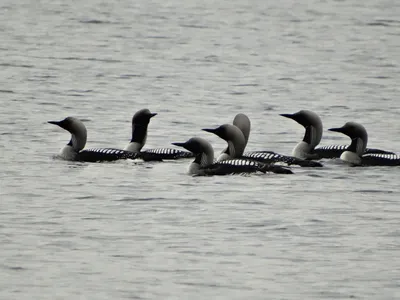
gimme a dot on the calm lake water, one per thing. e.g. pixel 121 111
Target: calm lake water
pixel 135 230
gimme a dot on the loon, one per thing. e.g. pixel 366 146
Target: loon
pixel 73 150
pixel 140 122
pixel 233 136
pixel 204 164
pixel 312 137
pixel 355 153
pixel 237 136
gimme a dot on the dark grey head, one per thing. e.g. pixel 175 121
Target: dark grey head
pixel 243 123
pixel 142 116
pixel 77 130
pixel 233 136
pixel 358 135
pixel 140 122
pixel 311 122
pixel 201 148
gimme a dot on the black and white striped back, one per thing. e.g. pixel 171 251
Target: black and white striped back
pixel 164 153
pixel 240 163
pixel 380 159
pixel 242 166
pixel 272 157
pixel 105 154
pixel 232 166
pixel 334 151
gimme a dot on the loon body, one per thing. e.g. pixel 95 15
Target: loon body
pixel 73 150
pixel 306 149
pixel 242 122
pixel 204 164
pixel 313 135
pixel 140 122
pixel 236 140
pixel 355 153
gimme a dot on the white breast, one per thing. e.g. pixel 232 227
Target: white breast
pixel 302 150
pixel 133 147
pixel 351 157
pixel 193 169
pixel 68 153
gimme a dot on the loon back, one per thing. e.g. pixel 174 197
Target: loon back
pixel 380 159
pixel 105 154
pixel 270 157
pixel 335 151
pixel 160 154
pixel 242 166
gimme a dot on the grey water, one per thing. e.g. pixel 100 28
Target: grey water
pixel 135 230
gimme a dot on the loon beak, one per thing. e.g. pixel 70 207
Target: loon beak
pixel 179 144
pixel 338 129
pixel 54 122
pixel 209 130
pixel 183 145
pixel 290 116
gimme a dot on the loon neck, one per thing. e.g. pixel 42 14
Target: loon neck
pixel 204 159
pixel 201 160
pixel 231 151
pixel 234 149
pixel 139 134
pixel 354 152
pixel 78 139
pixel 312 136
pixel 358 146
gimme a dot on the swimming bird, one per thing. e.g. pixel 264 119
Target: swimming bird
pixel 306 149
pixel 140 123
pixel 237 135
pixel 204 164
pixel 74 149
pixel 233 136
pixel 313 135
pixel 355 153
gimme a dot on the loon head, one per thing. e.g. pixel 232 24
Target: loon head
pixel 234 137
pixel 204 153
pixel 140 122
pixel 311 122
pixel 77 130
pixel 358 135
pixel 243 123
